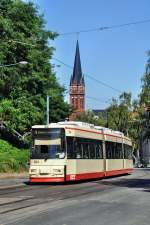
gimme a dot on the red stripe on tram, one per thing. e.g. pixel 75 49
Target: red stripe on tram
pixel 82 176
pixel 46 179
pixel 118 172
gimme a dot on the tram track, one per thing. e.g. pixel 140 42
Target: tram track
pixel 14 202
pixel 28 187
pixel 48 194
pixel 42 201
pixel 55 197
pixel 51 197
pixel 99 199
pixel 36 187
pixel 50 188
pixel 15 209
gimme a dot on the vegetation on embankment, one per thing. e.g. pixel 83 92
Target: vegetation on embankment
pixel 13 159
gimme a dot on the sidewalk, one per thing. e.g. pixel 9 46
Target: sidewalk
pixel 8 180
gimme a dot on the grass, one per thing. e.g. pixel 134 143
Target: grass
pixel 13 159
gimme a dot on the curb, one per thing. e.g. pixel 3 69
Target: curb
pixel 11 186
pixel 7 181
pixel 4 176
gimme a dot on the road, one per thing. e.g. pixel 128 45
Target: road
pixel 123 200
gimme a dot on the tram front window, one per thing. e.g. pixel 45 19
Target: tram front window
pixel 48 144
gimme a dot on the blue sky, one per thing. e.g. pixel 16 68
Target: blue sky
pixel 116 57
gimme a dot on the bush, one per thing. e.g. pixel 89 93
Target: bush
pixel 13 159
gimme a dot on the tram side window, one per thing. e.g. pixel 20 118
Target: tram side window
pixel 109 150
pixel 70 148
pixel 113 150
pixel 127 151
pixel 84 148
pixel 86 154
pixel 78 149
pixel 92 150
pixel 74 148
pixel 99 150
pixel 119 151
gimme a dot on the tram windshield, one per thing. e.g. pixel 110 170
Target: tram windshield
pixel 48 143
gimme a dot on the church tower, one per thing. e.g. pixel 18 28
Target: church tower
pixel 77 87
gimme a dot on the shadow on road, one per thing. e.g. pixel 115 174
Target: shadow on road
pixel 141 182
pixel 125 180
pixel 131 183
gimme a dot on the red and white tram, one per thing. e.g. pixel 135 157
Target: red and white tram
pixel 67 151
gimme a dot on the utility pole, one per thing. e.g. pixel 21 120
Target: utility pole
pixel 107 117
pixel 47 110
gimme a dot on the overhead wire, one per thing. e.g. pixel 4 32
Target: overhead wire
pixel 103 28
pixel 65 64
pixel 89 76
pixel 97 99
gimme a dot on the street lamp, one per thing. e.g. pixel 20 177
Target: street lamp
pixel 23 62
pixel 14 64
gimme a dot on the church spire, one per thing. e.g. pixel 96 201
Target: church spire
pixel 77 87
pixel 77 76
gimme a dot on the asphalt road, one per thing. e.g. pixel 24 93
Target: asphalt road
pixel 123 200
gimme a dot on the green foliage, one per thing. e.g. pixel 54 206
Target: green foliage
pixel 145 101
pixel 23 88
pixel 89 117
pixel 119 113
pixel 124 116
pixel 145 93
pixel 13 159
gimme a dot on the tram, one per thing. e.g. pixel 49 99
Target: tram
pixel 71 151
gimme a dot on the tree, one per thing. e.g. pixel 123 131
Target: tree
pixel 145 101
pixel 89 117
pixel 119 113
pixel 124 116
pixel 23 89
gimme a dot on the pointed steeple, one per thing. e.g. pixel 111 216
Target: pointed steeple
pixel 77 76
pixel 77 87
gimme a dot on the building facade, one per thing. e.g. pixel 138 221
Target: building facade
pixel 77 87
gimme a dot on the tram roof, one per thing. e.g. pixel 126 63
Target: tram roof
pixel 81 125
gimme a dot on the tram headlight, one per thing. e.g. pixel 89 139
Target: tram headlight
pixel 33 171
